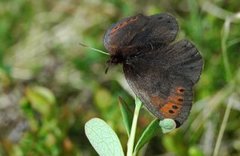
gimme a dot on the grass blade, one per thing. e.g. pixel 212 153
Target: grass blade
pixel 126 114
pixel 148 133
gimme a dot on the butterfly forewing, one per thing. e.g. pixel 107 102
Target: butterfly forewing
pixel 160 30
pixel 120 35
pixel 128 35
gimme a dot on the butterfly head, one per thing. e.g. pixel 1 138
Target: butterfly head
pixel 114 59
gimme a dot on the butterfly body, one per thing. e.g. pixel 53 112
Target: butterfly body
pixel 160 72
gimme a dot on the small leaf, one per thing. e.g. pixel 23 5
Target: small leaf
pixel 127 114
pixel 147 134
pixel 103 138
pixel 41 98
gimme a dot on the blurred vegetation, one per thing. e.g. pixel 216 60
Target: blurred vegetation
pixel 60 85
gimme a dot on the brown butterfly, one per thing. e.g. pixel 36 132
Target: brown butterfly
pixel 161 72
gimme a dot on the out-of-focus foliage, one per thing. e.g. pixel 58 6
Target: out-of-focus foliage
pixel 60 85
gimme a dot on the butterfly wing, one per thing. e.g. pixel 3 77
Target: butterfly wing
pixel 128 35
pixel 163 79
pixel 161 29
pixel 119 35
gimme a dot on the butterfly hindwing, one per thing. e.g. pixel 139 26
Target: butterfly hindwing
pixel 155 78
pixel 184 59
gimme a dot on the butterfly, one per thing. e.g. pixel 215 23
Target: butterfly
pixel 160 71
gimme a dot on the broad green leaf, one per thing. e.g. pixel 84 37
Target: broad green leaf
pixel 127 114
pixel 151 130
pixel 103 138
pixel 41 98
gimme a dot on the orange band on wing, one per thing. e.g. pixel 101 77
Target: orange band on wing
pixel 123 24
pixel 170 110
pixel 176 99
pixel 157 101
pixel 171 107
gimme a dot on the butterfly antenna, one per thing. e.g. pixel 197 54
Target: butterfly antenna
pixel 94 49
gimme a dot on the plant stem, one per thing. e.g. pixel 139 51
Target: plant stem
pixel 225 33
pixel 130 144
pixel 223 127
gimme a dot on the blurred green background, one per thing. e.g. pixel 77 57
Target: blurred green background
pixel 60 85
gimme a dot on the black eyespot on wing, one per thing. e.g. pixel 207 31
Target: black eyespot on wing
pixel 175 107
pixel 180 100
pixel 171 111
pixel 181 90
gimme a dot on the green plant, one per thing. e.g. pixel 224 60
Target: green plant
pixel 105 141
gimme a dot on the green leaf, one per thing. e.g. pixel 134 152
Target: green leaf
pixel 127 114
pixel 103 138
pixel 41 98
pixel 151 130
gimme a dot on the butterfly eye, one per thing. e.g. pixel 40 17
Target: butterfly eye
pixel 160 18
pixel 168 21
